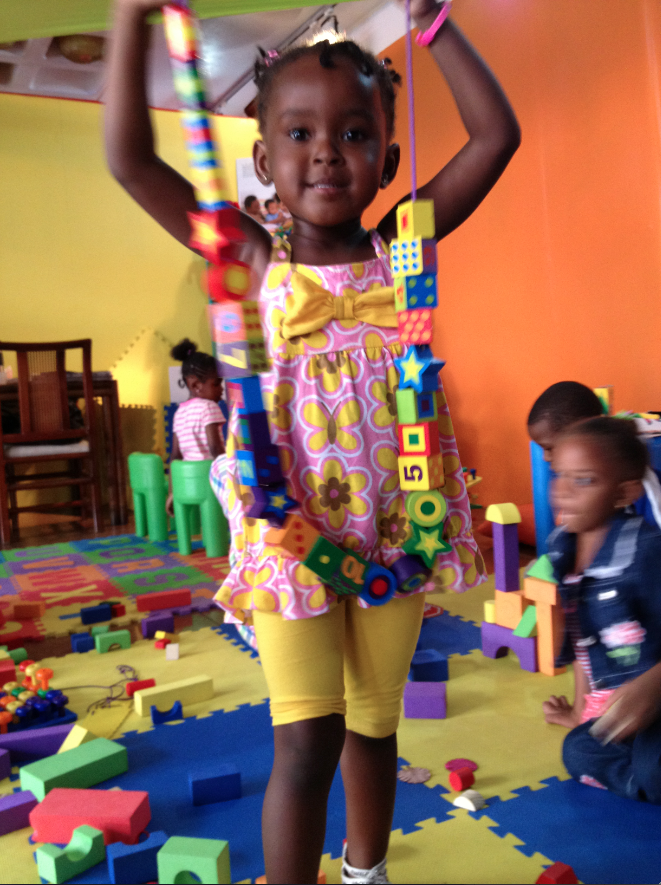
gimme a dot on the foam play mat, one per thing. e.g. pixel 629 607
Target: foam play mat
pixel 534 815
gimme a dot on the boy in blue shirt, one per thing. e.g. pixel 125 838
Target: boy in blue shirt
pixel 607 562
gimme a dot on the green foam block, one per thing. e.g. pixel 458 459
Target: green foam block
pixel 528 623
pixel 85 850
pixel 542 569
pixel 100 628
pixel 104 641
pixel 82 767
pixel 208 859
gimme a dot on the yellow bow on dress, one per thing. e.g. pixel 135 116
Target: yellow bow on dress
pixel 310 307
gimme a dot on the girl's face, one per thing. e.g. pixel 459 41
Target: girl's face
pixel 325 145
pixel 544 435
pixel 588 488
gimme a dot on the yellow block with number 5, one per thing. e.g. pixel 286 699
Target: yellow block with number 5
pixel 421 472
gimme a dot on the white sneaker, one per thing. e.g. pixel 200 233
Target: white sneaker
pixel 354 876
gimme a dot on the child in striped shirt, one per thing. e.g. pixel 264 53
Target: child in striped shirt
pixel 607 562
pixel 196 429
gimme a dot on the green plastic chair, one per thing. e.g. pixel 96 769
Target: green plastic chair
pixel 191 489
pixel 149 487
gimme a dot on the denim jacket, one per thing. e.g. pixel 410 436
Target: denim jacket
pixel 617 600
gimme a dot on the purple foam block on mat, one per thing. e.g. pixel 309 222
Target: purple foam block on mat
pixel 496 640
pixel 425 700
pixel 28 746
pixel 204 605
pixel 5 764
pixel 506 556
pixel 159 621
pixel 15 811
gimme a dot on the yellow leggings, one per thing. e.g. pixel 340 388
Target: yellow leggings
pixel 352 661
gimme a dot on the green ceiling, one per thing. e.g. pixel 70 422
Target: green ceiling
pixel 24 19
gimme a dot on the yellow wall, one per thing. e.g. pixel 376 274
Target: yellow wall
pixel 79 259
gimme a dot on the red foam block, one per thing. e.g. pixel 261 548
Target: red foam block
pixel 558 874
pixel 7 671
pixel 461 779
pixel 121 815
pixel 137 684
pixel 151 602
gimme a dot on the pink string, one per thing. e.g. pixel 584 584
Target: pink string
pixel 409 84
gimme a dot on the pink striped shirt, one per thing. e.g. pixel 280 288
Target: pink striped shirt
pixel 190 425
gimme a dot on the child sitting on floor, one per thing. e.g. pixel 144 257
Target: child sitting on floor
pixel 196 429
pixel 607 562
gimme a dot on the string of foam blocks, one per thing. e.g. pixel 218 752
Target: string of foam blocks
pixel 240 352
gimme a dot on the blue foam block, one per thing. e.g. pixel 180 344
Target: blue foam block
pixel 94 614
pixel 158 718
pixel 429 665
pixel 133 864
pixel 81 642
pixel 216 783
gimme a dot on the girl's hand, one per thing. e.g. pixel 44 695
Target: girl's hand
pixel 632 708
pixel 558 711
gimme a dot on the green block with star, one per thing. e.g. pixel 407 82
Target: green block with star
pixel 427 543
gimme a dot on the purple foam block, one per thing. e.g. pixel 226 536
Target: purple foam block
pixel 203 605
pixel 5 764
pixel 159 621
pixel 184 612
pixel 506 556
pixel 425 700
pixel 28 746
pixel 496 640
pixel 15 811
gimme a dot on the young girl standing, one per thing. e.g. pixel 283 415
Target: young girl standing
pixel 336 670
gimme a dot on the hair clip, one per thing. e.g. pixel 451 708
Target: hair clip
pixel 271 56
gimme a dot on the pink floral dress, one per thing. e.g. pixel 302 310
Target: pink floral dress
pixel 331 402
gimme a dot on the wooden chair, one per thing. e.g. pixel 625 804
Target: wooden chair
pixel 44 432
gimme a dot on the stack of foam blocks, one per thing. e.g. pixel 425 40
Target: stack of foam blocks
pixel 527 620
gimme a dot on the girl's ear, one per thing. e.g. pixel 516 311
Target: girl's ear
pixel 261 162
pixel 629 492
pixel 390 165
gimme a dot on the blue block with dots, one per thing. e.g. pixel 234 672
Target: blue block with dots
pixel 415 292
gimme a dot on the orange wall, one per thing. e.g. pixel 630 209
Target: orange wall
pixel 557 275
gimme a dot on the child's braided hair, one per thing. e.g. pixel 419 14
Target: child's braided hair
pixel 271 64
pixel 194 362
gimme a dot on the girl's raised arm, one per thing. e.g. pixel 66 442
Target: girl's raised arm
pixel 493 131
pixel 129 139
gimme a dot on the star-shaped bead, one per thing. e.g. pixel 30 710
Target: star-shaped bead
pixel 427 543
pixel 418 368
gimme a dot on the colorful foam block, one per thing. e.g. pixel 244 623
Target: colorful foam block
pixel 128 864
pixel 428 543
pixel 295 536
pixel 509 608
pixel 410 572
pixel 171 715
pixel 416 326
pixel 83 766
pixel 118 610
pixel 29 746
pixel 540 591
pixel 324 559
pixel 425 700
pixel 413 293
pixel 84 851
pixel 253 430
pixel 413 407
pixel 506 556
pixel 208 859
pixel 235 321
pixel 99 628
pixel 542 569
pixel 229 280
pixel 172 652
pixel 558 874
pixel 180 32
pixel 93 614
pixel 490 611
pixel 379 585
pixel 245 394
pixel 28 610
pixel 149 602
pixel 121 815
pixel 426 508
pixel 550 630
pixel 461 779
pixel 527 626
pixel 415 218
pixel 216 783
pixel 350 577
pixel 160 621
pixel 105 641
pixel 419 439
pixel 7 671
pixel 15 811
pixel 496 641
pixel 188 691
pixel 419 472
pixel 77 736
pixel 419 369
pixel 505 514
pixel 81 642
pixel 412 257
pixel 260 467
pixel 429 665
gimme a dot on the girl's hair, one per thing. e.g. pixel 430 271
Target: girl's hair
pixel 564 403
pixel 619 440
pixel 268 67
pixel 200 365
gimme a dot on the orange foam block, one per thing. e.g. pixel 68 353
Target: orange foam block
pixel 27 611
pixel 509 608
pixel 550 631
pixel 295 536
pixel 540 591
pixel 121 815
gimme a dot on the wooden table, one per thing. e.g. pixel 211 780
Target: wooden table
pixel 106 390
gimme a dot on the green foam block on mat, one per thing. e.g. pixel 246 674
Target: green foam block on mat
pixel 527 626
pixel 100 628
pixel 208 859
pixel 104 641
pixel 85 850
pixel 83 766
